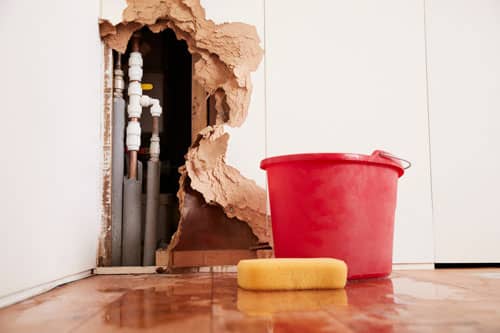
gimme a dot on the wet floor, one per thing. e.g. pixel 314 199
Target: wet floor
pixel 409 301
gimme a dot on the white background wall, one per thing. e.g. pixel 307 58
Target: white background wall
pixel 50 90
pixel 464 79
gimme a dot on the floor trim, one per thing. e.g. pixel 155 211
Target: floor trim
pixel 22 295
pixel 125 270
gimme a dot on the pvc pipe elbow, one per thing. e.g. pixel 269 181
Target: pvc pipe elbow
pixel 156 108
pixel 154 103
pixel 146 101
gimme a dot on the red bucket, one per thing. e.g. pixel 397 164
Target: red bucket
pixel 335 205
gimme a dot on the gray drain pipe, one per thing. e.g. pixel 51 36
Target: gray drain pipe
pixel 153 184
pixel 118 160
pixel 131 255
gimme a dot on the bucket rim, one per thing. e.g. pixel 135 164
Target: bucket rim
pixel 374 159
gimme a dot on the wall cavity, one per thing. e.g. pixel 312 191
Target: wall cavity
pixel 225 55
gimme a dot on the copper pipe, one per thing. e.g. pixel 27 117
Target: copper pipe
pixel 136 42
pixel 132 172
pixel 132 155
pixel 156 126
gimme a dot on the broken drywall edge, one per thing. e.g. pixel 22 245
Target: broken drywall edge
pixel 225 56
pixel 223 184
pixel 226 53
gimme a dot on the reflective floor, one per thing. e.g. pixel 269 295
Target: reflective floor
pixel 409 301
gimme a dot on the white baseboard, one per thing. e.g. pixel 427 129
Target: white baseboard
pixel 19 296
pixel 412 267
pixel 125 270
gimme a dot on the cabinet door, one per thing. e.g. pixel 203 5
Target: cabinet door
pixel 349 76
pixel 463 41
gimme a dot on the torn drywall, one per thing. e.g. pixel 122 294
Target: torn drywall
pixel 225 56
pixel 222 184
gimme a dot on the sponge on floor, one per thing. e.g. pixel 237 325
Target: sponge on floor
pixel 292 274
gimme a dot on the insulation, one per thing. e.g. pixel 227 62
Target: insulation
pixel 132 188
pixel 225 55
pixel 117 179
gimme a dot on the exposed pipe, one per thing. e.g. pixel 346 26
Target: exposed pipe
pixel 131 255
pixel 153 184
pixel 118 160
pixel 134 107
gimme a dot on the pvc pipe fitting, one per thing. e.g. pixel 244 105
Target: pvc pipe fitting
pixel 118 82
pixel 134 88
pixel 156 108
pixel 135 73
pixel 154 103
pixel 133 135
pixel 154 147
pixel 135 59
pixel 146 100
pixel 134 110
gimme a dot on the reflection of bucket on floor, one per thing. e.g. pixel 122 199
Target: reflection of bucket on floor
pixel 335 205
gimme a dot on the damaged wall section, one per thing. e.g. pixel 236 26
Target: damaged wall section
pixel 225 56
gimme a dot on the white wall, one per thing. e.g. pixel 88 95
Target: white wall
pixel 50 90
pixel 464 80
pixel 349 76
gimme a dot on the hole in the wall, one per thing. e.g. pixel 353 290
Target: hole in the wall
pixel 167 69
pixel 208 232
pixel 223 56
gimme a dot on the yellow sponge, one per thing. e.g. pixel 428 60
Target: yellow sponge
pixel 291 274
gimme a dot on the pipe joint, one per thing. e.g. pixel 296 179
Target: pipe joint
pixel 133 135
pixel 119 84
pixel 146 101
pixel 134 88
pixel 156 108
pixel 135 59
pixel 135 73
pixel 154 148
pixel 134 110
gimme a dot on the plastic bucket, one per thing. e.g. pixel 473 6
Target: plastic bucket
pixel 335 205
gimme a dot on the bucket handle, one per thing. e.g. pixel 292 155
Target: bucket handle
pixel 406 163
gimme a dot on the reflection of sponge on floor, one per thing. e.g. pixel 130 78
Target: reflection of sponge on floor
pixel 263 303
pixel 290 274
